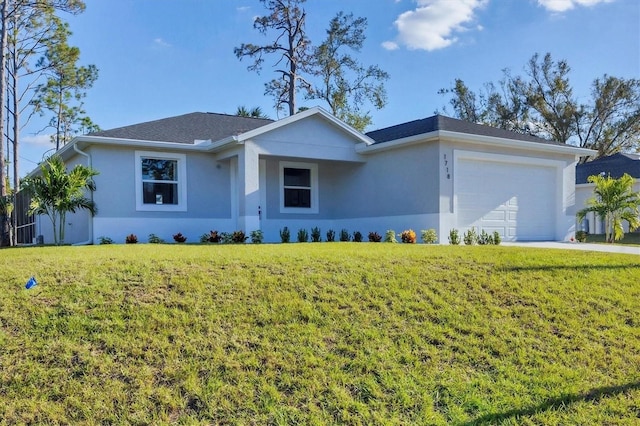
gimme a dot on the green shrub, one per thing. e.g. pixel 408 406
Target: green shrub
pixel 226 238
pixel 344 235
pixel 257 236
pixel 303 236
pixel 484 238
pixel 497 239
pixel 331 235
pixel 374 237
pixel 429 236
pixel 285 235
pixel 390 236
pixel 470 237
pixel 581 236
pixel 357 237
pixel 105 240
pixel 131 239
pixel 154 239
pixel 239 237
pixel 454 237
pixel 179 238
pixel 316 235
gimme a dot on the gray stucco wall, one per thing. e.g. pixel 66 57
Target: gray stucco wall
pixel 208 186
pixel 398 182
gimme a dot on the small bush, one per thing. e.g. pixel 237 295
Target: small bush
pixel 408 236
pixel 344 235
pixel 212 237
pixel 257 236
pixel 285 235
pixel 470 237
pixel 390 236
pixel 154 239
pixel 303 236
pixel 357 237
pixel 239 237
pixel 429 236
pixel 581 236
pixel 131 239
pixel 105 240
pixel 331 236
pixel 374 237
pixel 226 237
pixel 316 235
pixel 485 239
pixel 179 238
pixel 454 237
pixel 497 239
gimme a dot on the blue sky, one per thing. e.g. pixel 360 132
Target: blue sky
pixel 161 58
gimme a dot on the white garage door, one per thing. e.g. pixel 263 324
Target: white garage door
pixel 517 200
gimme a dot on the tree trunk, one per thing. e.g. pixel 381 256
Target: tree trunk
pixel 4 219
pixel 16 148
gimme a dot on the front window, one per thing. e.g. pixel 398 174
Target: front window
pixel 299 187
pixel 160 181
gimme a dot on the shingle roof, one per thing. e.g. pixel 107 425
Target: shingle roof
pixel 440 122
pixel 186 128
pixel 615 165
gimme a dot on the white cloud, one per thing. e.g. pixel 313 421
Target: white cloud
pixel 434 23
pixel 243 8
pixel 160 43
pixel 390 45
pixel 564 5
pixel 37 140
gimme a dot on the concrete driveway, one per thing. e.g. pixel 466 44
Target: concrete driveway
pixel 578 246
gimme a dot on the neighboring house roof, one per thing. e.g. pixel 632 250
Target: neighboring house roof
pixel 440 122
pixel 187 128
pixel 615 165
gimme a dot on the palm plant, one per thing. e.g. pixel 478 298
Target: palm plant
pixel 57 192
pixel 614 201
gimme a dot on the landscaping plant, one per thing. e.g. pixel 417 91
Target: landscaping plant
pixel 408 236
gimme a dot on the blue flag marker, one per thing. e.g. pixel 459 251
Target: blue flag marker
pixel 31 283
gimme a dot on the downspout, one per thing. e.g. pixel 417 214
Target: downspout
pixel 89 164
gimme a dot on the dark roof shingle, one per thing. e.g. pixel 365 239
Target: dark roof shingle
pixel 186 128
pixel 440 122
pixel 615 165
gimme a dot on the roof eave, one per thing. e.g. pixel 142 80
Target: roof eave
pixel 447 135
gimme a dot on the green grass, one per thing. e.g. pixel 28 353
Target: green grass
pixel 331 333
pixel 629 238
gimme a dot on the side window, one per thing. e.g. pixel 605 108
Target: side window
pixel 298 187
pixel 160 181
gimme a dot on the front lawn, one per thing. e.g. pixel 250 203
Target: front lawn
pixel 329 333
pixel 629 238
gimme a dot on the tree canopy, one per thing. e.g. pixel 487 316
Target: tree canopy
pixel 543 103
pixel 328 72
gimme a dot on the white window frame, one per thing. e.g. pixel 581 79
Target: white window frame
pixel 182 182
pixel 313 168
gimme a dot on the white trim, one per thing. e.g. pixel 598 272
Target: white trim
pixel 182 182
pixel 263 189
pixel 313 167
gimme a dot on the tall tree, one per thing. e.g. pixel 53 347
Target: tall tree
pixel 345 84
pixel 56 192
pixel 291 46
pixel 4 218
pixel 26 25
pixel 65 88
pixel 543 104
pixel 614 202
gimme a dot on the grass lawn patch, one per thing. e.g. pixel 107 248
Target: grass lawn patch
pixel 332 333
pixel 630 238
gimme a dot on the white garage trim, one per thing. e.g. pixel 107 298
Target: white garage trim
pixel 540 221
